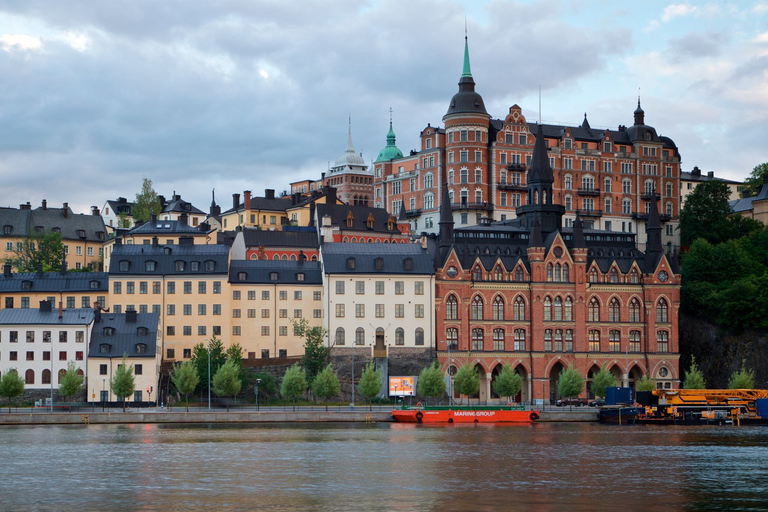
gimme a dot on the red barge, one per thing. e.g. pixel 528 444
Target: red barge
pixel 514 414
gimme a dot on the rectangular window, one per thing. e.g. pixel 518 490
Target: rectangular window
pixel 283 330
pixel 201 309
pixel 296 313
pixel 187 309
pixel 317 313
pixel 235 330
pixel 46 336
pixel 419 310
pixel 62 355
pixel 339 310
pixel 62 336
pixel 117 288
pixel 187 330
pixel 171 309
pixel 170 353
pixel 359 310
pixel 399 310
pixel 79 336
pixel 171 287
pixel 170 330
pixel 251 295
pixel 297 295
pixel 317 295
pixel 283 295
pixel 418 288
pixel 265 295
pixel 360 287
pixel 235 313
pixel 264 313
pixel 283 313
pixel 399 287
pixel 265 330
pixel 201 287
pixel 130 287
pixel 143 287
pixel 201 330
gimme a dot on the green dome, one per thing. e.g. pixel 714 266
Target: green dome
pixel 391 151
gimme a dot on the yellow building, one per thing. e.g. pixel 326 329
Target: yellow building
pixel 70 289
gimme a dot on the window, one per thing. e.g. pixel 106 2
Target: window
pixel 339 287
pixel 634 341
pixel 283 313
pixel 451 308
pixel 558 340
pixel 662 311
pixel 339 310
pixel 419 336
pixel 201 287
pixel 379 308
pixel 613 310
pixel 79 336
pixel 399 336
pixel 593 312
pixel 359 310
pixel 201 309
pixel 360 287
pixel 399 287
pixel 188 287
pixel 171 287
pixel 283 295
pixel 399 310
pixel 477 308
pixel 359 336
pixel 217 287
pixel 498 339
pixel 178 266
pixel 264 295
pixel 130 287
pixel 519 339
pixel 296 313
pixel 452 338
pixel 547 309
pixel 236 330
pixel 283 330
pixel 662 341
pixel 477 339
pixel 170 330
pixel 594 340
pixel 188 309
pixel 558 309
pixel 548 340
pixel 339 338
pixel 614 343
pixel 62 355
pixel 297 295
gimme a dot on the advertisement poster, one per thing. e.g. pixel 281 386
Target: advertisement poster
pixel 402 386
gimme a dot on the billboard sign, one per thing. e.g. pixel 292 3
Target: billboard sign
pixel 402 386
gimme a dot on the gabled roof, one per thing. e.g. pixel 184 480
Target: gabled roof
pixel 287 272
pixel 178 205
pixel 88 228
pixel 272 239
pixel 13 316
pixel 120 205
pixel 340 212
pixel 125 335
pixel 166 227
pixel 16 219
pixel 278 204
pixel 392 256
pixel 55 282
pixel 165 258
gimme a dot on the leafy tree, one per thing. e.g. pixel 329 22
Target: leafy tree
pixel 570 383
pixel 46 249
pixel 743 379
pixel 705 213
pixel 370 383
pixel 226 380
pixel 146 202
pixel 71 383
pixel 694 379
pixel 431 381
pixel 756 178
pixel 11 386
pixel 235 352
pixel 315 352
pixel 267 386
pixel 200 359
pixel 645 384
pixel 122 382
pixel 294 383
pixel 467 380
pixel 326 385
pixel 185 378
pixel 508 382
pixel 123 221
pixel 601 381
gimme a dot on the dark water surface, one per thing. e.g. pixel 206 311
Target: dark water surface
pixel 383 467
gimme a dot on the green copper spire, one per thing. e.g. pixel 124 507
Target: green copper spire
pixel 467 71
pixel 390 151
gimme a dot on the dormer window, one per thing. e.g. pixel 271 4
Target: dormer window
pixel 567 143
pixel 26 285
pixel 38 229
pixel 124 266
pixel 105 348
pixel 99 234
pixel 210 265
pixel 350 220
pixel 408 263
pixel 369 223
pixel 274 276
pixel 142 331
pixel 167 250
pixel 81 233
pixel 391 224
pixel 57 230
pixel 378 263
pixel 7 230
pixel 242 276
pixel 109 331
pixel 178 266
pixel 141 348
pixel 95 285
pixel 351 264
pixel 300 276
pixel 149 266
pixel 195 266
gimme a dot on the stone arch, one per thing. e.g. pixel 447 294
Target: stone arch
pixel 524 394
pixel 635 374
pixel 591 372
pixel 554 375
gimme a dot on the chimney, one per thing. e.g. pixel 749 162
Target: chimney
pixel 39 269
pixel 7 270
pixel 302 257
pixel 235 201
pixel 122 200
pixel 96 312
pixel 61 309
pixel 155 241
pixel 262 253
pixel 45 306
pixel 247 199
pixel 153 217
pixel 710 174
pixel 94 210
pixel 269 193
pixel 330 195
pixel 25 206
pixel 183 218
pixel 130 316
pixel 696 171
pixel 65 210
pixel 118 240
pixel 161 200
pixel 45 204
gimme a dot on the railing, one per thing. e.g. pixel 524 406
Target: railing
pixel 590 213
pixel 509 186
pixel 471 206
pixel 663 217
pixel 412 213
pixel 591 191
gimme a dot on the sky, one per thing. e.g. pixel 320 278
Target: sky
pixel 247 95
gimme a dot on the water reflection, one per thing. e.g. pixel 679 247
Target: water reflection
pixel 383 467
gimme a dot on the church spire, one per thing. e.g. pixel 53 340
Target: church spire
pixel 446 219
pixel 466 71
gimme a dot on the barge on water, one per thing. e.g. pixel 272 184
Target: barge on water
pixel 467 414
pixel 704 407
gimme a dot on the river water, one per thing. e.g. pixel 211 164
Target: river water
pixel 564 466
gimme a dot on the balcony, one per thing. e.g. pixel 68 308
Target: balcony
pixel 518 167
pixel 472 206
pixel 594 192
pixel 412 213
pixel 590 213
pixel 663 217
pixel 509 186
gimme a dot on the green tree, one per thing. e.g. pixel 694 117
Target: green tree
pixel 315 351
pixel 235 352
pixel 46 249
pixel 694 379
pixel 200 359
pixel 467 380
pixel 123 221
pixel 370 383
pixel 294 384
pixel 122 382
pixel 226 380
pixel 743 379
pixel 756 178
pixel 146 203
pixel 601 381
pixel 185 378
pixel 570 383
pixel 508 382
pixel 431 382
pixel 645 384
pixel 326 385
pixel 11 386
pixel 71 383
pixel 267 386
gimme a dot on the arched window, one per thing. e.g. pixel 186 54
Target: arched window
pixel 593 310
pixel 548 340
pixel 399 336
pixel 519 309
pixel 614 275
pixel 614 310
pixel 451 308
pixel 498 308
pixel 477 339
pixel 594 340
pixel 498 274
pixel 61 374
pixel 634 310
pixel 477 308
pixel 614 343
pixel 339 340
pixel 419 336
pixel 558 273
pixel 661 311
pixel 519 274
pixel 547 309
pixel 568 311
pixel 46 376
pixel 634 341
pixel 452 338
pixel 519 339
pixel 498 339
pixel 593 276
pixel 477 273
pixel 633 276
pixel 558 340
pixel 566 277
pixel 549 272
pixel 29 377
pixel 359 336
pixel 662 341
pixel 558 309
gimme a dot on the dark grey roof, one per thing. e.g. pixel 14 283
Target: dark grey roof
pixel 125 335
pixel 178 205
pixel 72 226
pixel 166 227
pixel 335 256
pixel 257 237
pixel 121 205
pixel 259 272
pixel 339 213
pixel 13 316
pixel 55 282
pixel 165 258
pixel 278 204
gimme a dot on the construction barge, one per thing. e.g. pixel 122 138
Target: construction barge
pixel 468 414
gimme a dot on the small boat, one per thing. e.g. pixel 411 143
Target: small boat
pixel 458 414
pixel 619 414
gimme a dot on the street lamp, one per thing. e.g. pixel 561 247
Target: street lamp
pixel 353 374
pixel 258 381
pixel 209 374
pixel 51 381
pixel 450 379
pixel 103 386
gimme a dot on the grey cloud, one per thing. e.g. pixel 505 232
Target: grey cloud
pixel 696 45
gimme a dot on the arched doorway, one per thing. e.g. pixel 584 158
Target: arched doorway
pixel 554 377
pixel 495 373
pixel 590 375
pixel 482 392
pixel 618 375
pixel 524 394
pixel 635 374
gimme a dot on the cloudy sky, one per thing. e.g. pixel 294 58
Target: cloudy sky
pixel 248 95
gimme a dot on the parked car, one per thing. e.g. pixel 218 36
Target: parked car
pixel 578 402
pixel 597 403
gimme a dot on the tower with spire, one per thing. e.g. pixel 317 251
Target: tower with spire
pixel 350 176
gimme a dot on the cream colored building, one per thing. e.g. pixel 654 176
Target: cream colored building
pixel 690 180
pixel 70 289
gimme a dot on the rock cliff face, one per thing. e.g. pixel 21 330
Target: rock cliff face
pixel 720 352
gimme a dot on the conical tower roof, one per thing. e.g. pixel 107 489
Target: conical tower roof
pixel 466 100
pixel 390 151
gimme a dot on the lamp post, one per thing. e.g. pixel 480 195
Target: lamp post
pixel 353 374
pixel 51 380
pixel 450 379
pixel 209 374
pixel 258 381
pixel 103 388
